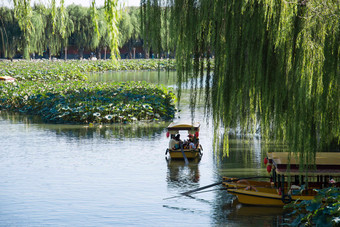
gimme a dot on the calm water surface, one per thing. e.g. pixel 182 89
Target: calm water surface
pixel 117 175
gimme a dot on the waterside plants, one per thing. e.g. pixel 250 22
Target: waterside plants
pixel 75 69
pixel 323 210
pixel 88 102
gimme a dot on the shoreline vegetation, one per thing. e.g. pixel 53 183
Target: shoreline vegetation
pixel 58 91
pixel 43 69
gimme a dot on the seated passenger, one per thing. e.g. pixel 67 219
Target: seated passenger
pixel 191 142
pixel 173 142
pixel 178 141
pixel 192 145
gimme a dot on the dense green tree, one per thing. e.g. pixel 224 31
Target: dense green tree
pixel 276 64
pixel 112 17
pixel 23 13
pixel 66 26
pixel 129 29
pixel 58 29
pixel 85 36
pixel 10 33
pixel 104 41
pixel 37 38
pixel 79 16
pixel 54 27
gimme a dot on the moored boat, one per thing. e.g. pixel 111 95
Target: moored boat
pixel 7 79
pixel 288 183
pixel 187 149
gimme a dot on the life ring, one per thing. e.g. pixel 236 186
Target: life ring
pixel 286 199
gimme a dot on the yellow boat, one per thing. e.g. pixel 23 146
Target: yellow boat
pixel 7 78
pixel 179 149
pixel 279 192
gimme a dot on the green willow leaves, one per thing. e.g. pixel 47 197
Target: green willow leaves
pixel 112 16
pixel 276 65
pixel 23 13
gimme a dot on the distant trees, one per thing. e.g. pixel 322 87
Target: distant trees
pixel 129 28
pixel 50 30
pixel 10 33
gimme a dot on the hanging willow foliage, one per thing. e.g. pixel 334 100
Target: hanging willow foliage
pixel 277 65
pixel 112 17
pixel 94 16
pixel 23 13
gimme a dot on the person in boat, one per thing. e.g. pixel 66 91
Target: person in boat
pixel 173 142
pixel 178 141
pixel 191 142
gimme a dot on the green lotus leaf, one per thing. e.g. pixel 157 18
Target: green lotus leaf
pixel 97 114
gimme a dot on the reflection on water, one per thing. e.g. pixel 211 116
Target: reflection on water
pixel 180 175
pixel 117 175
pixel 155 77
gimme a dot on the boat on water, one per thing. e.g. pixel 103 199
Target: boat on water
pixel 186 149
pixel 7 79
pixel 288 183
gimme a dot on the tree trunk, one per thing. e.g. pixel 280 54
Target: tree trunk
pixel 99 54
pixel 49 54
pixel 3 53
pixel 81 53
pixel 26 53
pixel 105 48
pixel 65 50
pixel 146 56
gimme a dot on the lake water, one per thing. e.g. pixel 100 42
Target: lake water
pixel 117 175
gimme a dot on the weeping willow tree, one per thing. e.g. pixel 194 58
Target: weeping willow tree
pixel 23 13
pixel 276 65
pixel 37 38
pixel 10 33
pixel 112 14
pixel 58 28
pixel 112 17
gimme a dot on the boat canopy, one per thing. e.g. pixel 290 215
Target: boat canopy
pixel 326 164
pixel 173 128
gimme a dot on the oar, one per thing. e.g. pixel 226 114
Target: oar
pixel 212 185
pixel 184 156
pixel 200 189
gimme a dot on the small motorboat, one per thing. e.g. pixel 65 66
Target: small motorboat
pixel 187 149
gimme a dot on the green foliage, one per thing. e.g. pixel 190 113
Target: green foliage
pixel 112 17
pixel 23 13
pixel 323 210
pixel 84 34
pixel 276 65
pixel 37 38
pixel 10 32
pixel 87 102
pixel 40 29
pixel 94 16
pixel 74 70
